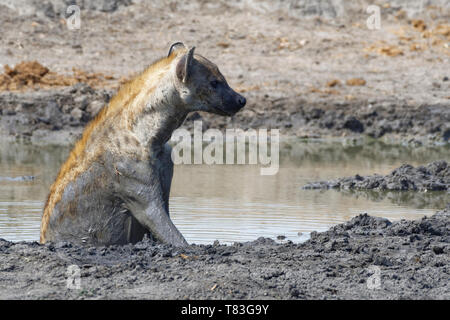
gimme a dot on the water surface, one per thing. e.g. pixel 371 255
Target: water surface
pixel 234 202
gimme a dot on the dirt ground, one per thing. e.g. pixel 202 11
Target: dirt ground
pixel 365 258
pixel 309 68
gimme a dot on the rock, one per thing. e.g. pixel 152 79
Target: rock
pixel 438 250
pixel 316 113
pixel 94 107
pixel 77 114
pixel 50 113
pixel 446 135
pixel 353 124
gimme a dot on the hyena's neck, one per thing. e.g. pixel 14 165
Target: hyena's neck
pixel 163 113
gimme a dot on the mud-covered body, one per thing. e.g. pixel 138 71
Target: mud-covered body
pixel 114 187
pixel 95 208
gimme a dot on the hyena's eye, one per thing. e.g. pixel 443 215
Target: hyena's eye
pixel 214 84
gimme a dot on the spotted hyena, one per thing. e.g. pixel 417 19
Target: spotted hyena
pixel 114 187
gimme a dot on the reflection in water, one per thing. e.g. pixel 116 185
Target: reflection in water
pixel 234 202
pixel 419 200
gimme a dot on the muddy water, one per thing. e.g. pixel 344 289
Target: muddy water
pixel 234 202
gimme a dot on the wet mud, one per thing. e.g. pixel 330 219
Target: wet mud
pixel 364 258
pixel 434 176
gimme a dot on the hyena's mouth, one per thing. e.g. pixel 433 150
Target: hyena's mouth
pixel 223 112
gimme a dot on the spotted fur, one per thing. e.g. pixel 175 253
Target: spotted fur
pixel 125 142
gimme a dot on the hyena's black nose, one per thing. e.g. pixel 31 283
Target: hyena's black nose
pixel 242 101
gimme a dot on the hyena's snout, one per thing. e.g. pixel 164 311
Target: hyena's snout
pixel 233 102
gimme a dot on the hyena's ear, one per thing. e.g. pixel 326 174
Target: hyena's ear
pixel 184 66
pixel 176 46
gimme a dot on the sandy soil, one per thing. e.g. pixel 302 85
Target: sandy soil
pixel 308 68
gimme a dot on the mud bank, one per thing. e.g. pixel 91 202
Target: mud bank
pixel 434 176
pixel 58 116
pixel 55 116
pixel 410 257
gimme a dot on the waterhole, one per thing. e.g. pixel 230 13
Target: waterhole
pixel 233 203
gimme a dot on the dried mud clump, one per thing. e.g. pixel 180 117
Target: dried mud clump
pixel 24 74
pixel 356 82
pixel 417 36
pixel 32 75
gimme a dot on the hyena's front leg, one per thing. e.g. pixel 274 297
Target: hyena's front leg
pixel 151 213
pixel 142 192
pixel 166 174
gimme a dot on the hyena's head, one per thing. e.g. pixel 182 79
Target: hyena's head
pixel 201 85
